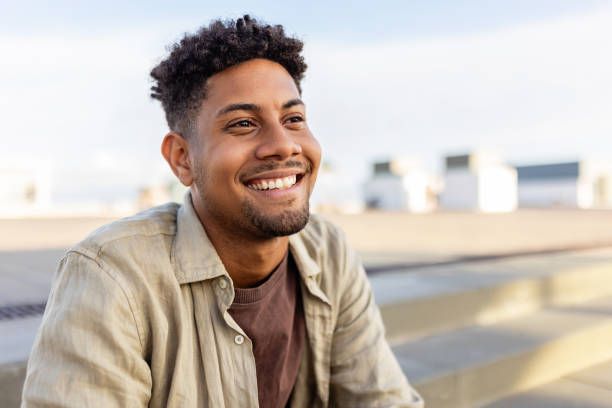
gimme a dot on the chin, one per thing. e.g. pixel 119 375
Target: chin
pixel 287 222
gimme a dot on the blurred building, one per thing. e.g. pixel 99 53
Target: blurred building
pixel 401 184
pixel 576 184
pixel 24 189
pixel 479 182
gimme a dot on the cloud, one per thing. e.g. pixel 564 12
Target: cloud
pixel 83 101
pixel 535 91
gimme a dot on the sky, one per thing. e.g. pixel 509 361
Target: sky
pixel 527 79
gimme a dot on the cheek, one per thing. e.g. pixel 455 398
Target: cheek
pixel 312 150
pixel 224 161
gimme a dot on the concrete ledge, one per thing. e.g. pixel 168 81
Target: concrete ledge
pixel 590 388
pixel 427 302
pixel 12 376
pixel 15 345
pixel 474 366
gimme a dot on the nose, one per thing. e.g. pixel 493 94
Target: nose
pixel 277 143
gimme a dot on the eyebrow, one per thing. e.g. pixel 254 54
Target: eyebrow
pixel 293 102
pixel 239 106
pixel 256 108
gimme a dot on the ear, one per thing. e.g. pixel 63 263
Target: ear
pixel 175 149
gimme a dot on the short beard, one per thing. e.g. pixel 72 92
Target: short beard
pixel 258 223
pixel 269 226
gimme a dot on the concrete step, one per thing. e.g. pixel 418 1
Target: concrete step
pixel 473 366
pixel 12 376
pixel 589 388
pixel 431 300
pixel 15 344
pixel 438 299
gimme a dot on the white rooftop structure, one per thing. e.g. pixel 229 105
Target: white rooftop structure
pixel 401 184
pixel 479 182
pixel 572 184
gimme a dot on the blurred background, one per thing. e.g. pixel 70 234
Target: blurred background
pixel 467 154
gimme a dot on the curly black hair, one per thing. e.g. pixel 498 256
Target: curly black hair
pixel 180 79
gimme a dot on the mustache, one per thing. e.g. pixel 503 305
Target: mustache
pixel 306 167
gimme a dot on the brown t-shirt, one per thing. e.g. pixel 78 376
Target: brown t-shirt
pixel 271 314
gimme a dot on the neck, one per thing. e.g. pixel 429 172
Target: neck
pixel 248 260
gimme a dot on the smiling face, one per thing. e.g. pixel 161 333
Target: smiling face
pixel 254 159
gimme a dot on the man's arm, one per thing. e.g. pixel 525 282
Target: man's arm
pixel 365 372
pixel 88 352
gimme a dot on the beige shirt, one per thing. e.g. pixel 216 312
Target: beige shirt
pixel 137 316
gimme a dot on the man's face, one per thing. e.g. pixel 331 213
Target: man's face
pixel 255 161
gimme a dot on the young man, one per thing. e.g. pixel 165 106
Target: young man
pixel 236 298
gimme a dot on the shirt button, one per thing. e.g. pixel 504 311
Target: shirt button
pixel 222 283
pixel 239 339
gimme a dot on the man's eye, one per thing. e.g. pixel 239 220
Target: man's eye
pixel 295 119
pixel 242 123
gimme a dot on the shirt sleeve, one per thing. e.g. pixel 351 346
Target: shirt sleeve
pixel 364 371
pixel 88 352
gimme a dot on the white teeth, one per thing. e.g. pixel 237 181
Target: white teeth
pixel 288 181
pixel 283 183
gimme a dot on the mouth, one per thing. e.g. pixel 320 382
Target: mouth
pixel 269 183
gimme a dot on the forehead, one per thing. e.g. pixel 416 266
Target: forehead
pixel 255 81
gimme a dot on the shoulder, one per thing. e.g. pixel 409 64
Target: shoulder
pixel 130 232
pixel 133 249
pixel 126 260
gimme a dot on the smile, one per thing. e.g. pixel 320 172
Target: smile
pixel 274 184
